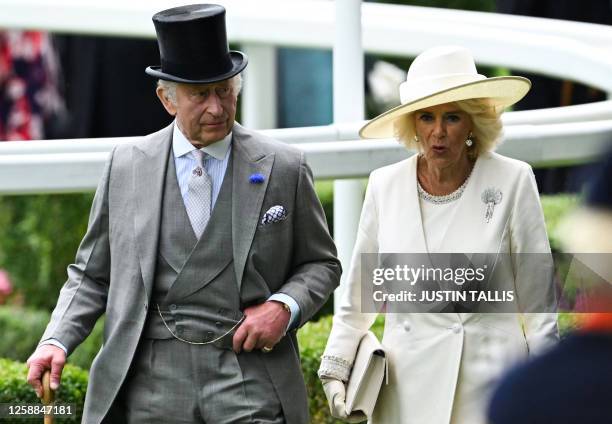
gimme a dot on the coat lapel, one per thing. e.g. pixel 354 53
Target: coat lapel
pixel 149 171
pixel 248 197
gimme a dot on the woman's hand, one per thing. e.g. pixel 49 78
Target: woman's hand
pixel 336 396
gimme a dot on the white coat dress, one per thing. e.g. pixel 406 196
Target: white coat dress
pixel 442 366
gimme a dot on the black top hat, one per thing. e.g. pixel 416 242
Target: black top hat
pixel 193 45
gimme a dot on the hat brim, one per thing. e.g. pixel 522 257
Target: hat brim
pixel 239 62
pixel 502 92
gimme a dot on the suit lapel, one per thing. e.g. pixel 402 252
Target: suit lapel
pixel 149 171
pixel 248 197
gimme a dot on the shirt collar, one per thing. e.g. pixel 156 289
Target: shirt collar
pixel 181 146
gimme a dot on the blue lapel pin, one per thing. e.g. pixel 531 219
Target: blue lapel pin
pixel 256 179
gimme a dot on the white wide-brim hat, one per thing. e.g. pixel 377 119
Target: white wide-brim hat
pixel 442 75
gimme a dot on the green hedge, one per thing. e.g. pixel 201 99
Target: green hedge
pixel 21 330
pixel 14 389
pixel 39 236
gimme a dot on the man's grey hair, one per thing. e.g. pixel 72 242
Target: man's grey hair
pixel 169 87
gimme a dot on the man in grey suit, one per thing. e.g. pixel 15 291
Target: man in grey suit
pixel 206 248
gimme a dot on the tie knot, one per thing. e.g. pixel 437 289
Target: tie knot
pixel 199 156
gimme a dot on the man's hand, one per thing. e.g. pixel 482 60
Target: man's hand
pixel 45 357
pixel 264 325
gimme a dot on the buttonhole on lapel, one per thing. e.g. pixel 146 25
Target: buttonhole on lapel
pixel 256 178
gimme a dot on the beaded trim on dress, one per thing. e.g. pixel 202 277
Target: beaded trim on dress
pixel 447 198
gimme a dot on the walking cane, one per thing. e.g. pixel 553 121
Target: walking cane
pixel 48 395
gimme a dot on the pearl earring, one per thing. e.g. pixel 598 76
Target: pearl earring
pixel 469 141
pixel 416 138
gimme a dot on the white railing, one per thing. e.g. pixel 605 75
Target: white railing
pixel 76 165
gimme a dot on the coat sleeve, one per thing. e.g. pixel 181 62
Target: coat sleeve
pixel 83 297
pixel 350 323
pixel 315 268
pixel 533 266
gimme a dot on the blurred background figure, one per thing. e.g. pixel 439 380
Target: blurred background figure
pixel 29 99
pixel 571 383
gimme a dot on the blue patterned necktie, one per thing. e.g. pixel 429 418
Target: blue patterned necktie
pixel 199 195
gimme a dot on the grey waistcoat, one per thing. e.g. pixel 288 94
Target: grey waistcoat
pixel 195 284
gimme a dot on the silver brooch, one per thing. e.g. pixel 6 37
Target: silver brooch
pixel 491 197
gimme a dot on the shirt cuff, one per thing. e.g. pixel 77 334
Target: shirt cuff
pixel 293 306
pixel 54 342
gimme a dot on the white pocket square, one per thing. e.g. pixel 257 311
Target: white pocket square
pixel 274 214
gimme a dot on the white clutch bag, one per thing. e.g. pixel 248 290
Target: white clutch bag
pixel 367 376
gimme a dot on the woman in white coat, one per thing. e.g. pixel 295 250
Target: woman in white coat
pixel 455 196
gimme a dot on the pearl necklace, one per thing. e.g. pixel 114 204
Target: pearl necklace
pixel 446 198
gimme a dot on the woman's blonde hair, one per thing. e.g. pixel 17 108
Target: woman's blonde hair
pixel 486 131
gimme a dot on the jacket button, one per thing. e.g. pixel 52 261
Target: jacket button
pixel 456 328
pixel 173 307
pixel 218 324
